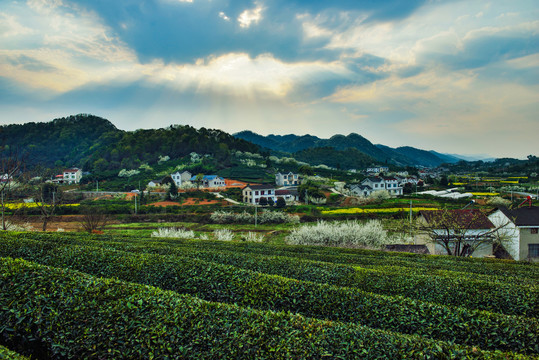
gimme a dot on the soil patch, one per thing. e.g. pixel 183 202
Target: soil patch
pixel 188 202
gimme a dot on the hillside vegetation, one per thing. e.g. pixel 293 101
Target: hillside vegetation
pixel 95 144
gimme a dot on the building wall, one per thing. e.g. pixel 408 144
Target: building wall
pixel 509 233
pixel 526 238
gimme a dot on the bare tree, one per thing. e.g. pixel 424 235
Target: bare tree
pixel 11 165
pixel 93 220
pixel 459 232
pixel 49 197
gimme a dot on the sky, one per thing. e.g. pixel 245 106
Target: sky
pixel 451 76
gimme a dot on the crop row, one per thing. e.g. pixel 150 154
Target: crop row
pixel 444 287
pixel 6 354
pixel 224 283
pixel 59 313
pixel 498 270
pixel 457 288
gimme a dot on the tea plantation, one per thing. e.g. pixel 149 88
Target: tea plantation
pixel 73 296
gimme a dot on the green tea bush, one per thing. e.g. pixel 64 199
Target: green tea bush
pixel 217 282
pixel 63 314
pixel 7 354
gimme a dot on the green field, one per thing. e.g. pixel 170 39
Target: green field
pixel 111 296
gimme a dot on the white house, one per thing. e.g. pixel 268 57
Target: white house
pixel 210 181
pixel 72 176
pixel 378 183
pixel 253 193
pixel 155 183
pixel 459 227
pixel 361 190
pixel 288 195
pixel 521 231
pixel 179 178
pixel 289 179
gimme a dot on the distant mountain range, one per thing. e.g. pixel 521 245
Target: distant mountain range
pixel 401 156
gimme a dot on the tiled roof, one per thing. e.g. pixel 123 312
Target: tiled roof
pixel 524 216
pixel 259 187
pixel 466 219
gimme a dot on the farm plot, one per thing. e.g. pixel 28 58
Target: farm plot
pixel 363 293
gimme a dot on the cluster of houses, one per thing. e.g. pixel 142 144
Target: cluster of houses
pixel 204 181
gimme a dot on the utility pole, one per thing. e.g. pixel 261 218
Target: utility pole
pixel 135 204
pixel 256 214
pixel 306 198
pixel 410 219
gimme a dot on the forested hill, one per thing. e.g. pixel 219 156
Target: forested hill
pixel 297 145
pixel 67 140
pixel 94 143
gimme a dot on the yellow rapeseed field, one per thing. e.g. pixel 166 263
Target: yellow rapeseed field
pixel 369 211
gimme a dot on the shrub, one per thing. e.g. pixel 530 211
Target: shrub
pixel 277 217
pixel 223 235
pixel 253 237
pixel 347 234
pixel 174 233
pixel 380 195
pixel 498 201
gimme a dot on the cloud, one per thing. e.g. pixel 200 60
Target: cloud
pixel 250 16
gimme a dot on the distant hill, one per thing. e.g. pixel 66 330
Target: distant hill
pixel 402 156
pixel 94 143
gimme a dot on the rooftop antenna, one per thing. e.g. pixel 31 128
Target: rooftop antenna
pixel 468 204
pixel 528 200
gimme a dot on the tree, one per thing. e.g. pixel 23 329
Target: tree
pixel 281 202
pixel 10 169
pixel 93 220
pixel 263 201
pixel 198 180
pixel 407 188
pixel 271 202
pixel 172 192
pixel 48 196
pixel 459 232
pixel 306 170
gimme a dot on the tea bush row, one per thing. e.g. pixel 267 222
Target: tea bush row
pixel 502 271
pixel 7 354
pixel 63 314
pixel 224 283
pixel 443 287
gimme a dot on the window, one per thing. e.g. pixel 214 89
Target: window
pixel 534 230
pixel 256 192
pixel 533 250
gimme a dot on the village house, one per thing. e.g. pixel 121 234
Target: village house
pixel 210 181
pixel 69 176
pixel 521 231
pixel 289 179
pixel 155 183
pixel 253 193
pixel 461 228
pixel 180 178
pixel 361 190
pixel 379 183
pixel 288 195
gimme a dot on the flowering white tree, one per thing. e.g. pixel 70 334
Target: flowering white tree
pixel 343 234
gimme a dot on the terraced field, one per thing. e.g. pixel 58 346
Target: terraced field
pixel 73 296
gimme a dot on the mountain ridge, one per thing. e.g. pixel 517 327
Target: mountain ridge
pixel 401 156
